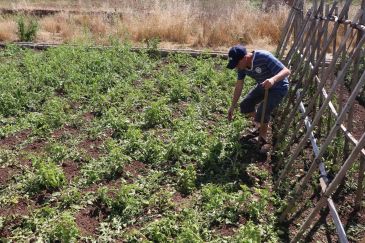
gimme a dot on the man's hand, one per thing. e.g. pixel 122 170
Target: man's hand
pixel 230 113
pixel 268 83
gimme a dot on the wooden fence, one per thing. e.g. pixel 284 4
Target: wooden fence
pixel 324 50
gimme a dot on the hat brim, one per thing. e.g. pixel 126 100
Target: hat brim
pixel 232 64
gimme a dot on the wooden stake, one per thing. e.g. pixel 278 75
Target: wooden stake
pixel 300 186
pixel 331 188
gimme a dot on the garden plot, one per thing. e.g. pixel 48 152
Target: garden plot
pixel 115 145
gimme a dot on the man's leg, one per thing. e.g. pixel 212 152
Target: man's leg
pixel 247 106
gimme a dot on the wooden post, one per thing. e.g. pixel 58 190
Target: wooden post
pixel 320 86
pixel 323 182
pixel 287 26
pixel 293 111
pixel 300 186
pixel 360 186
pixel 355 76
pixel 338 80
pixel 331 188
pixel 335 39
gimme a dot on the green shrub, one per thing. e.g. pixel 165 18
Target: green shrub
pixel 153 151
pixel 133 141
pixel 27 31
pixel 157 114
pixel 163 230
pixel 127 203
pixel 58 152
pixel 64 229
pixel 54 114
pixel 118 122
pixel 187 180
pixel 180 90
pixel 220 206
pixel 69 197
pixel 249 233
pixel 47 176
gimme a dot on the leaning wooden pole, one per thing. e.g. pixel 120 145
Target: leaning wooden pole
pixel 287 122
pixel 300 186
pixel 314 71
pixel 286 34
pixel 331 188
pixel 338 81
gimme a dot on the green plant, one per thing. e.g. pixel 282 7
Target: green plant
pixel 126 202
pixel 118 122
pixel 64 229
pixel 58 152
pixel 187 179
pixel 47 176
pixel 179 90
pixel 153 151
pixel 54 114
pixel 220 206
pixel 163 230
pixel 133 141
pixel 152 46
pixel 27 31
pixel 156 158
pixel 249 233
pixel 158 113
pixel 256 206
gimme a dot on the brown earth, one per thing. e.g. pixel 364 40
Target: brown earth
pixel 135 168
pixel 35 147
pixel 13 140
pixel 88 116
pixel 358 113
pixel 20 208
pixel 92 147
pixel 71 169
pixel 66 130
pixel 88 222
pixel 5 174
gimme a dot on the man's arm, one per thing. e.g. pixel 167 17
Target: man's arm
pixel 268 83
pixel 236 96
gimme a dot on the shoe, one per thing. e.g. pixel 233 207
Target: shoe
pixel 252 133
pixel 264 146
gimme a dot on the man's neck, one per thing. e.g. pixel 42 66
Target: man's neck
pixel 249 60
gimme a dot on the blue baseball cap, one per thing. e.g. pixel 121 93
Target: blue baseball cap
pixel 235 54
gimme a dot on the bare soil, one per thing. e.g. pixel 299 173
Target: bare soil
pixel 358 113
pixel 92 147
pixel 5 174
pixel 13 140
pixel 35 147
pixel 66 130
pixel 135 168
pixel 20 208
pixel 71 169
pixel 88 222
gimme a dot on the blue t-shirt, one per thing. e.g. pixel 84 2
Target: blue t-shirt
pixel 264 66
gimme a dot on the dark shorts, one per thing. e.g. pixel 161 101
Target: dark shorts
pixel 256 95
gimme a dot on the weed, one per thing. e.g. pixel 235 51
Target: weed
pixel 64 229
pixel 187 180
pixel 47 176
pixel 157 114
pixel 27 31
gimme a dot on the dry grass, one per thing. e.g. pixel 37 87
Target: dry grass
pixel 198 24
pixel 221 25
pixel 8 30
